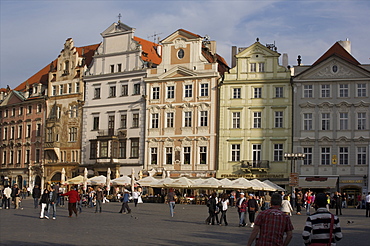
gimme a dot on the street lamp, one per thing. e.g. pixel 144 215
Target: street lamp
pixel 293 174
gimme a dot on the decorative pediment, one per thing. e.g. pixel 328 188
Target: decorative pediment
pixel 257 48
pixel 154 108
pixel 306 140
pixel 168 106
pixel 201 139
pixel 115 28
pixel 343 104
pixel 343 139
pixel 362 104
pixel 361 139
pixel 186 105
pixel 307 105
pixel 204 106
pixel 180 35
pixel 169 140
pixel 325 139
pixel 178 71
pixel 325 105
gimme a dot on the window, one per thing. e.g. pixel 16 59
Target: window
pixel 97 93
pixel 203 155
pixel 27 157
pixel 343 90
pixel 279 119
pixel 60 89
pixel 11 157
pixel 325 156
pixel 111 123
pixel 257 119
pixel 187 155
pixel 112 91
pixel 54 91
pixel 236 120
pixel 39 108
pixel 155 93
pixel 308 91
pixel 170 92
pixel 103 149
pixel 135 120
pixel 5 136
pixel 13 111
pixel 5 113
pixel 169 120
pixel 361 90
pixel 28 131
pixel 180 53
pixel 261 67
pixel 77 88
pixel 20 131
pixel 119 67
pixel 112 68
pixel 343 121
pixel 361 121
pixel 235 152
pixel 343 155
pixel 155 120
pixel 124 90
pixel 96 123
pixel 153 156
pixel 307 121
pixel 187 119
pixel 4 157
pixel 49 135
pixel 29 109
pixel 135 148
pixel 12 131
pixel 69 88
pixel 122 148
pixel 203 118
pixel 20 111
pixel 256 148
pixel 257 92
pixel 236 93
pixel 361 156
pixel 204 90
pixel 37 157
pixel 66 68
pixel 137 89
pixel 279 92
pixel 253 67
pixel 325 91
pixel 93 149
pixel 325 121
pixel 73 134
pixel 38 130
pixel 169 155
pixel 123 123
pixel 188 90
pixel 278 152
pixel 308 159
pixel 19 156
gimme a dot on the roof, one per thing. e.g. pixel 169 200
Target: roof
pixel 339 51
pixel 149 51
pixel 42 76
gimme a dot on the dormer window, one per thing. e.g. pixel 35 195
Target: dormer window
pixel 35 90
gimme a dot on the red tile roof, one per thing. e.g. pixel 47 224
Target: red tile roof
pixel 89 52
pixel 339 51
pixel 150 50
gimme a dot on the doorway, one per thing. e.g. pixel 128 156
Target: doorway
pixel 352 193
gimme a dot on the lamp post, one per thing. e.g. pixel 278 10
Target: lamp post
pixel 293 173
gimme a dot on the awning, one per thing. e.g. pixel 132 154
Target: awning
pixel 317 182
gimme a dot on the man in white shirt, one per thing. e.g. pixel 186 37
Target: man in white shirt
pixel 7 196
pixel 367 199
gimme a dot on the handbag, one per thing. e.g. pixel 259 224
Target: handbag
pixel 331 233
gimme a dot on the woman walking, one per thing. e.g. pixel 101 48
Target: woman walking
pixel 252 208
pixel 224 206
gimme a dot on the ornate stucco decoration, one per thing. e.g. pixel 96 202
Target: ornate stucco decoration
pixel 362 104
pixel 168 106
pixel 307 105
pixel 343 139
pixel 343 105
pixel 204 106
pixel 179 43
pixel 361 139
pixel 154 109
pixel 339 71
pixel 307 141
pixel 325 139
pixel 325 105
pixel 186 105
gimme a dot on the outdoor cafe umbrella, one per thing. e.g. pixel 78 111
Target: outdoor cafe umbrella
pixel 242 183
pixel 163 183
pixel 226 183
pixel 76 180
pixel 97 180
pixel 182 182
pixel 256 184
pixel 124 180
pixel 147 181
pixel 265 186
pixel 277 187
pixel 210 183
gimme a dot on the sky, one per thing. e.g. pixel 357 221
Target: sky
pixel 32 33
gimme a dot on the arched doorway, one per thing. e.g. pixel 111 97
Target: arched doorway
pixel 37 181
pixel 57 177
pixel 352 192
pixel 20 181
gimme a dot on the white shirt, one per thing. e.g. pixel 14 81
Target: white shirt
pixel 7 192
pixel 224 204
pixel 368 198
pixel 135 195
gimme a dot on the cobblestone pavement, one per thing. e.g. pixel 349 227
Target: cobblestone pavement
pixel 149 224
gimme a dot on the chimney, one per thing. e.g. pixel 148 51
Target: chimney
pixel 285 60
pixel 212 47
pixel 233 54
pixel 346 45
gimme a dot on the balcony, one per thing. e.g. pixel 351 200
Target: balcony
pixel 51 145
pixel 251 165
pixel 111 132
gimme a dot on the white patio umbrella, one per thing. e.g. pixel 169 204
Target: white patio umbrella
pixel 256 185
pixel 163 183
pixel 124 180
pixel 108 179
pixel 76 180
pixel 226 183
pixel 277 187
pixel 182 182
pixel 210 183
pixel 242 183
pixel 85 179
pixel 63 178
pixel 147 181
pixel 97 180
pixel 265 186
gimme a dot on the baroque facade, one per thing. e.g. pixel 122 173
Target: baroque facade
pixel 255 117
pixel 182 95
pixel 114 109
pixel 331 124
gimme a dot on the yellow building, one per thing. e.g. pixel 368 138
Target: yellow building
pixel 255 117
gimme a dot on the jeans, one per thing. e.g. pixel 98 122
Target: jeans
pixel 223 217
pixel 36 202
pixel 98 205
pixel 251 216
pixel 124 207
pixel 53 207
pixel 308 206
pixel 367 209
pixel 172 207
pixel 242 218
pixel 267 205
pixel 6 202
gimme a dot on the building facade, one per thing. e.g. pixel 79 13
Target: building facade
pixel 181 107
pixel 114 110
pixel 255 117
pixel 63 125
pixel 331 124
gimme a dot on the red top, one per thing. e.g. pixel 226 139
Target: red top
pixel 273 223
pixel 73 196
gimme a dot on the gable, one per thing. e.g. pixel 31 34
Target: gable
pixel 117 29
pixel 178 72
pixel 13 98
pixel 257 49
pixel 180 34
pixel 333 68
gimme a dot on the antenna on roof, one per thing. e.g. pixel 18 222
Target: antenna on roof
pixel 156 37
